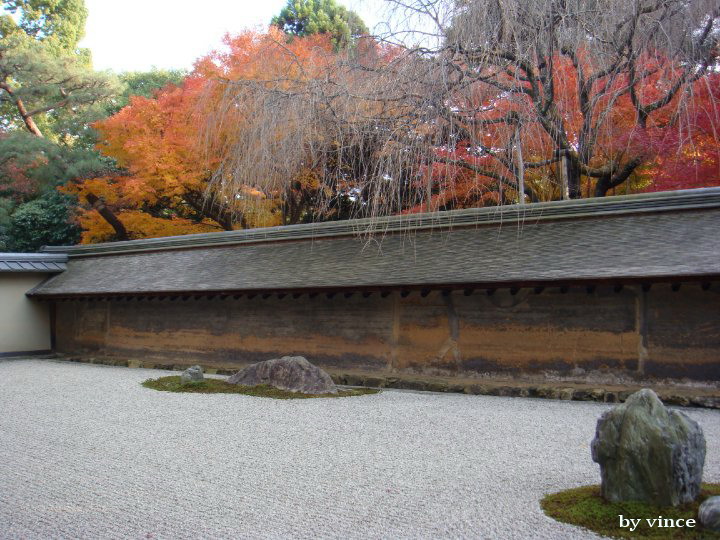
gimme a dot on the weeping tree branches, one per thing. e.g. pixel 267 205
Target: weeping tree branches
pixel 365 126
pixel 650 51
pixel 496 100
pixel 331 118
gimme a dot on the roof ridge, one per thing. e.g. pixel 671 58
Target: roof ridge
pixel 32 262
pixel 54 257
pixel 692 199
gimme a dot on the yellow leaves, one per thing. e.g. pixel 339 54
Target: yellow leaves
pixel 307 180
pixel 262 213
pixel 137 190
pixel 139 225
pixel 158 141
pixel 115 190
pixel 257 208
pixel 102 187
pixel 95 228
pixel 252 192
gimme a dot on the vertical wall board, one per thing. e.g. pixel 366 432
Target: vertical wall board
pixel 427 335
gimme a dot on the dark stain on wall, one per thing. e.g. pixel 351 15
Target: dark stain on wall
pixel 703 372
pixel 686 319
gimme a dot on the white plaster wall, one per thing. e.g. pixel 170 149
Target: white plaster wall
pixel 24 323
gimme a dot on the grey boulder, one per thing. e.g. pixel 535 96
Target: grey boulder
pixel 192 374
pixel 648 453
pixel 293 373
pixel 709 513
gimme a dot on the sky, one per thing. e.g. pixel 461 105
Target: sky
pixel 136 35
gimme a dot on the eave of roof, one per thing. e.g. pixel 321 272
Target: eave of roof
pixel 33 262
pixel 694 199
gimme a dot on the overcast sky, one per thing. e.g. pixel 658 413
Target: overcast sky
pixel 135 35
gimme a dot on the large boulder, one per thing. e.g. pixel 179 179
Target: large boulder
pixel 649 453
pixel 293 373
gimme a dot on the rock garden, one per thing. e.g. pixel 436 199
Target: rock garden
pixel 289 377
pixel 393 464
pixel 651 458
pixel 651 466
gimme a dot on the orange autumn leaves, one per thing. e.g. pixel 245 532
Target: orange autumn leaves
pixel 163 186
pixel 172 177
pixel 152 139
pixel 677 146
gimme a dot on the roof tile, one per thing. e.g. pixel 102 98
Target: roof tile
pixel 675 244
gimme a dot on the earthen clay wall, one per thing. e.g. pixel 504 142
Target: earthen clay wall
pixel 659 332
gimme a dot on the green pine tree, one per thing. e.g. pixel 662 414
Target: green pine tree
pixel 308 17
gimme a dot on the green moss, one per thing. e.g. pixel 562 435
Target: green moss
pixel 220 386
pixel 585 507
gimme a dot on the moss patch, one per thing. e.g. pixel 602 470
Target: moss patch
pixel 585 507
pixel 220 386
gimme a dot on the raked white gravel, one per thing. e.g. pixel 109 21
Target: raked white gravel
pixel 86 452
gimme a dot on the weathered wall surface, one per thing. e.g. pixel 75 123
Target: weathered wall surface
pixel 522 332
pixel 24 323
pixel 659 332
pixel 340 331
pixel 683 336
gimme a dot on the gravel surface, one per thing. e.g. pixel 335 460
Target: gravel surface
pixel 86 452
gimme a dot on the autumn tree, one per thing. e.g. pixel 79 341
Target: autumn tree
pixel 688 156
pixel 299 124
pixel 500 101
pixel 592 89
pixel 582 74
pixel 162 183
pixel 156 187
pixel 145 84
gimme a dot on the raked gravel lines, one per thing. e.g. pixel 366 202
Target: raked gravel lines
pixel 86 452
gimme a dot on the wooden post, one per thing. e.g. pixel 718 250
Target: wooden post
pixel 395 336
pixel 641 328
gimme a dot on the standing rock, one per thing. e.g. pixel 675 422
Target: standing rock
pixel 192 374
pixel 293 373
pixel 649 453
pixel 709 513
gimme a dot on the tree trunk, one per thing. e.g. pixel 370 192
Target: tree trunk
pixel 573 178
pixel 602 186
pixel 29 122
pixel 27 119
pixel 107 214
pixel 520 167
pixel 209 209
pixel 608 182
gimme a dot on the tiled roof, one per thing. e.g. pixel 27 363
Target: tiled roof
pixel 652 236
pixel 32 262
